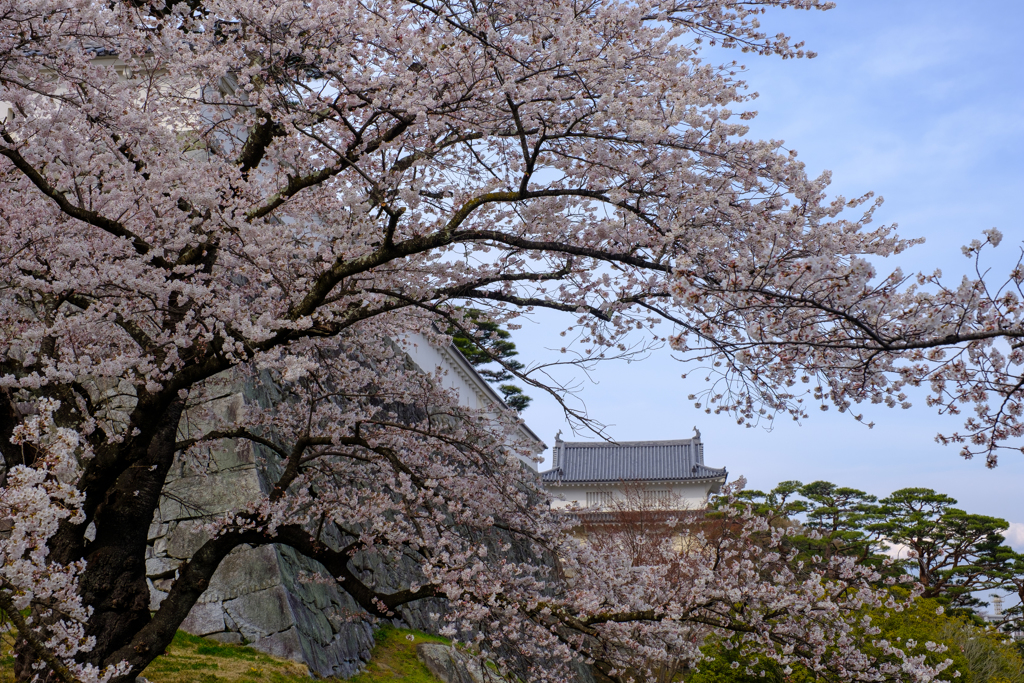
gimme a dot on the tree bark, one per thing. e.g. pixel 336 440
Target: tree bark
pixel 114 581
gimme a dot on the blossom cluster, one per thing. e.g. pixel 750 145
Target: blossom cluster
pixel 34 501
pixel 279 190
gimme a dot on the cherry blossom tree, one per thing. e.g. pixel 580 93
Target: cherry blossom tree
pixel 282 189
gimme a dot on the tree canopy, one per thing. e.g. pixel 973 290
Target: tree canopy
pixel 281 191
pixel 953 555
pixel 953 550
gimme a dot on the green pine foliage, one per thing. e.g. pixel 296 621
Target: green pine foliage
pixel 952 553
pixel 490 349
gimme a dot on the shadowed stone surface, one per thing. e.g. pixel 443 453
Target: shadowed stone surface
pixel 261 613
pixel 183 539
pixel 204 619
pixel 451 666
pixel 284 644
pixel 272 598
pixel 244 571
pixel 276 600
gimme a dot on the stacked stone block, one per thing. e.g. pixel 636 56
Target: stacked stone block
pixel 270 597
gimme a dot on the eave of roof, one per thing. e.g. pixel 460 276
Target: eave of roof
pixel 484 386
pixel 720 475
pixel 612 463
pixel 621 444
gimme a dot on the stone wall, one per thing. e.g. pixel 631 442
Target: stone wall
pixel 268 597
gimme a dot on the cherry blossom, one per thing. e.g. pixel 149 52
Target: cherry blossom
pixel 274 192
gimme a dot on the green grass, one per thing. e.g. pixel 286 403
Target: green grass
pixel 6 660
pixel 394 658
pixel 191 659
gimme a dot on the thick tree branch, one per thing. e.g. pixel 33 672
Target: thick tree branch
pixel 195 574
pixel 260 137
pixel 86 216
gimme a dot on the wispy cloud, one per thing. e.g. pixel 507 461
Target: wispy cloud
pixel 1015 535
pixel 896 551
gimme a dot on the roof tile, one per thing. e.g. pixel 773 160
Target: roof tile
pixel 587 461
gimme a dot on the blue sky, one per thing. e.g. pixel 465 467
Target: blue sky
pixel 923 103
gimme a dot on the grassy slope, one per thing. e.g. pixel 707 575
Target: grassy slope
pixel 190 659
pixel 6 661
pixel 394 658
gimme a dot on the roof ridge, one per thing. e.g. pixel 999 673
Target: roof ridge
pixel 615 444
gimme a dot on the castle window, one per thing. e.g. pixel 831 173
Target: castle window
pixel 657 497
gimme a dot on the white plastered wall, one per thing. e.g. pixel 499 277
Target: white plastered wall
pixel 691 496
pixel 458 375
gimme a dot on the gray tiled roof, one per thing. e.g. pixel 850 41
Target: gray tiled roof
pixel 589 461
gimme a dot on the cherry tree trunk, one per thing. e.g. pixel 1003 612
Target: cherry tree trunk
pixel 114 581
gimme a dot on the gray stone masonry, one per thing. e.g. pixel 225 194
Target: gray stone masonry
pixel 449 665
pixel 268 597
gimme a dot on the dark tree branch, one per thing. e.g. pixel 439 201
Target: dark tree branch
pixel 195 574
pixel 86 216
pixel 260 137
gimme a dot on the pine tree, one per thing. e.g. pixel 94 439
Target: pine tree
pixel 484 343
